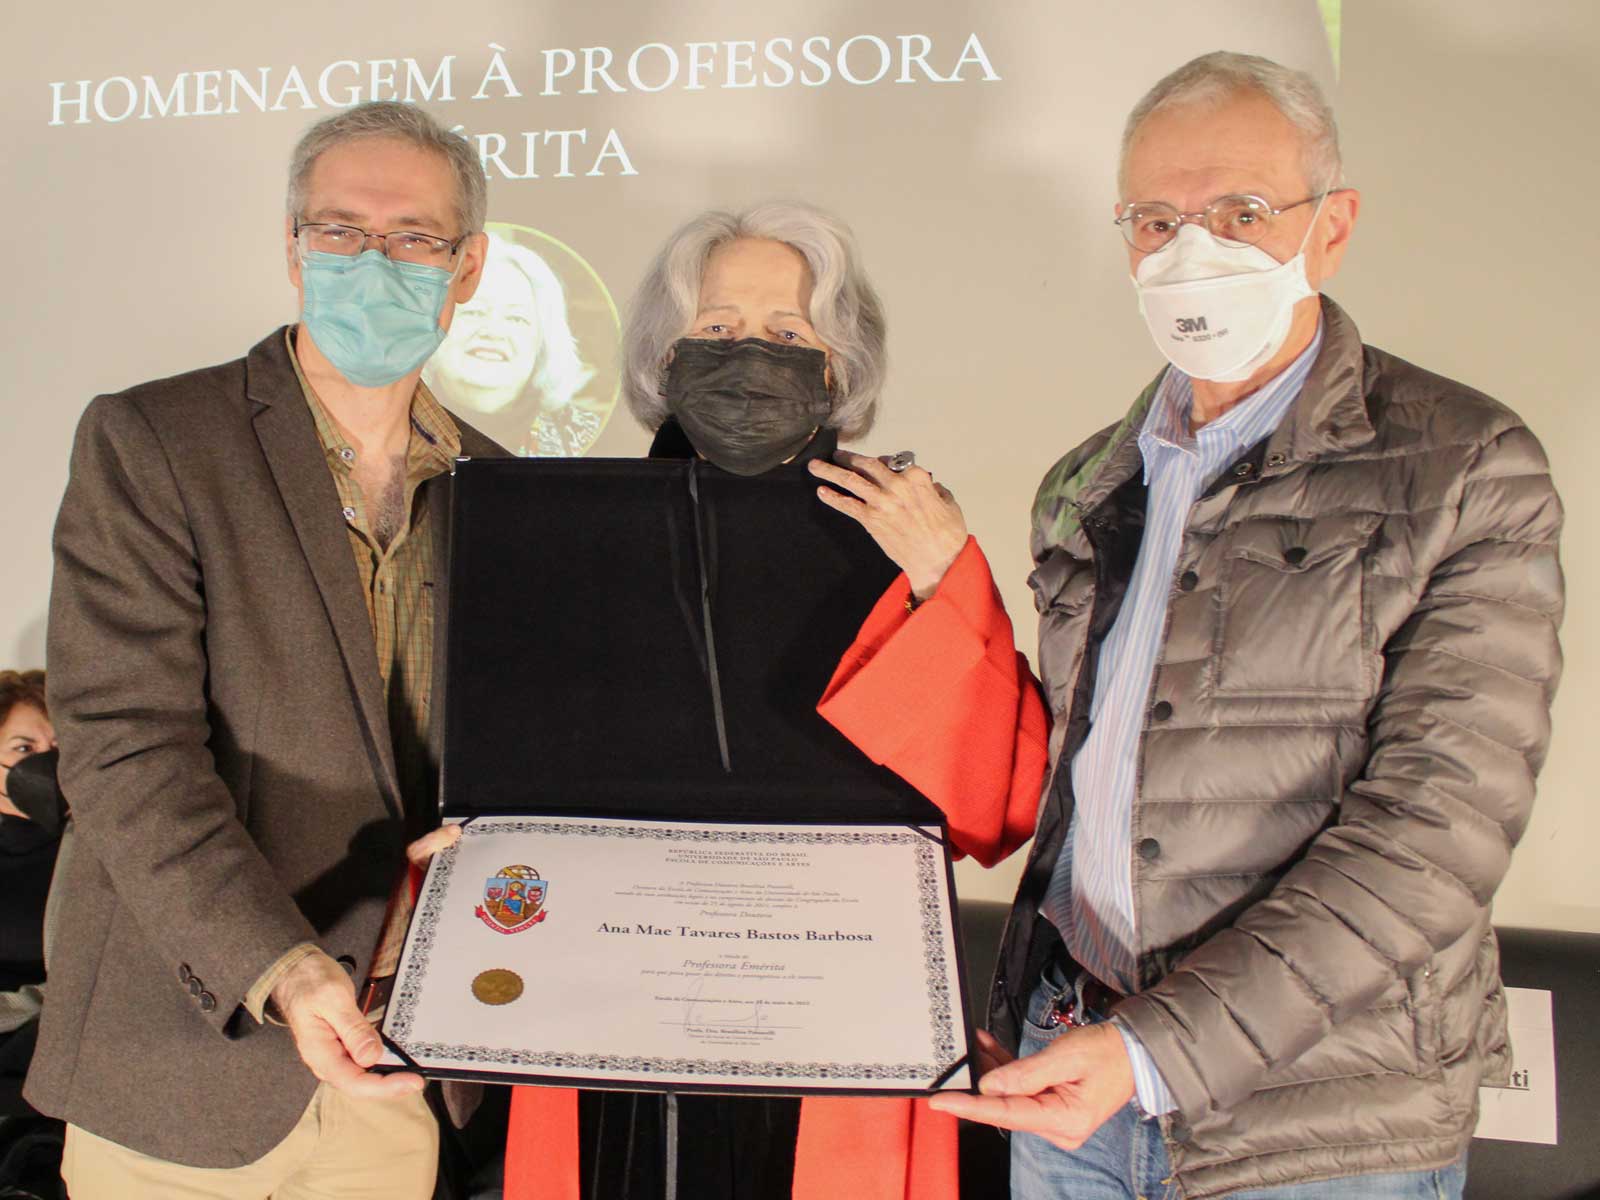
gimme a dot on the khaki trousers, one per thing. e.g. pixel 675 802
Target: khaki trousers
pixel 342 1149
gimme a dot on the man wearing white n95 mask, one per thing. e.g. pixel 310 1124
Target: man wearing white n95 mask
pixel 1298 615
pixel 1219 304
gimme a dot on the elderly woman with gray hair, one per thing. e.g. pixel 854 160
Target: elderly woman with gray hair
pixel 755 340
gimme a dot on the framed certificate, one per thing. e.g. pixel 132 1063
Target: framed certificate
pixel 673 874
pixel 684 955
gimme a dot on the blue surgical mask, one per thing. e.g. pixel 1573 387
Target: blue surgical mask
pixel 374 319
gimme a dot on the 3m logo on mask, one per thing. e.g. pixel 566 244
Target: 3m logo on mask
pixel 1191 324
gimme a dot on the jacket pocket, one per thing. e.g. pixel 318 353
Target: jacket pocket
pixel 1290 609
pixel 1426 1007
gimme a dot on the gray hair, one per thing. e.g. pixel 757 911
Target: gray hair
pixel 407 123
pixel 1214 77
pixel 845 310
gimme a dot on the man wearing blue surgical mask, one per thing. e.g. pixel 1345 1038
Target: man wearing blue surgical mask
pixel 1297 647
pixel 243 636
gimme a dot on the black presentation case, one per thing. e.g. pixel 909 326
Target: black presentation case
pixel 647 639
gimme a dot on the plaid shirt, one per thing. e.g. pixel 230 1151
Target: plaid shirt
pixel 398 586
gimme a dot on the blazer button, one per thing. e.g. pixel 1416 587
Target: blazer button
pixel 184 974
pixel 1188 581
pixel 1243 469
pixel 208 1002
pixel 1294 555
pixel 1161 711
pixel 195 986
pixel 1149 850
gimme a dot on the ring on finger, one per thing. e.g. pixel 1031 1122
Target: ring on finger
pixel 898 462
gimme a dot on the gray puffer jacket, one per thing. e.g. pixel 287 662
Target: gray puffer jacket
pixel 1348 712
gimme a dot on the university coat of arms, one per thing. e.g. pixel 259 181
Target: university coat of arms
pixel 513 900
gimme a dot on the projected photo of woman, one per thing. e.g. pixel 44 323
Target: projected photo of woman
pixel 530 360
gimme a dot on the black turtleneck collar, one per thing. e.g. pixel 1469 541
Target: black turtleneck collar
pixel 20 837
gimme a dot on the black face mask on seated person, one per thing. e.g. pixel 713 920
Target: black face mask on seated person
pixel 32 786
pixel 747 405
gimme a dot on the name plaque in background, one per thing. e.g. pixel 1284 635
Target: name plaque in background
pixel 673 955
pixel 1525 1109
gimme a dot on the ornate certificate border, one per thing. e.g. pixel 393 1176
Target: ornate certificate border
pixel 942 1042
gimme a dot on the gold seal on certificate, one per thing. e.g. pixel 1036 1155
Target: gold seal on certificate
pixel 497 986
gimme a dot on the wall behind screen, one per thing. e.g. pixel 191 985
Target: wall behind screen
pixel 147 247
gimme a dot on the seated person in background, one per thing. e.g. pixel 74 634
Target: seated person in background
pixel 30 1145
pixel 27 860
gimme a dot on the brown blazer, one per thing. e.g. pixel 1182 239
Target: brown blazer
pixel 225 752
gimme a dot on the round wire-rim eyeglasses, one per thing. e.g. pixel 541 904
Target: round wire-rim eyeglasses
pixel 1240 218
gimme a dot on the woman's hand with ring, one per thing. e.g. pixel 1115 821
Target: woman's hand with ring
pixel 914 520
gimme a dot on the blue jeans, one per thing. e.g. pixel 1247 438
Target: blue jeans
pixel 1126 1159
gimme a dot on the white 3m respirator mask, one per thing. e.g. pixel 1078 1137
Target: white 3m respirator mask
pixel 1219 310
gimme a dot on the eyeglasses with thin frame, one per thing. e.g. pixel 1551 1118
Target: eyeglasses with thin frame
pixel 401 245
pixel 1150 225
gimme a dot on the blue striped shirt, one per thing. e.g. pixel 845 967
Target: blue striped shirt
pixel 1090 897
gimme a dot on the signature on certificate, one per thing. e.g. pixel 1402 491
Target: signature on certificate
pixel 750 1014
pixel 709 1016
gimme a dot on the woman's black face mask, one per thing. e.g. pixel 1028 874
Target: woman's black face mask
pixel 747 405
pixel 32 787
